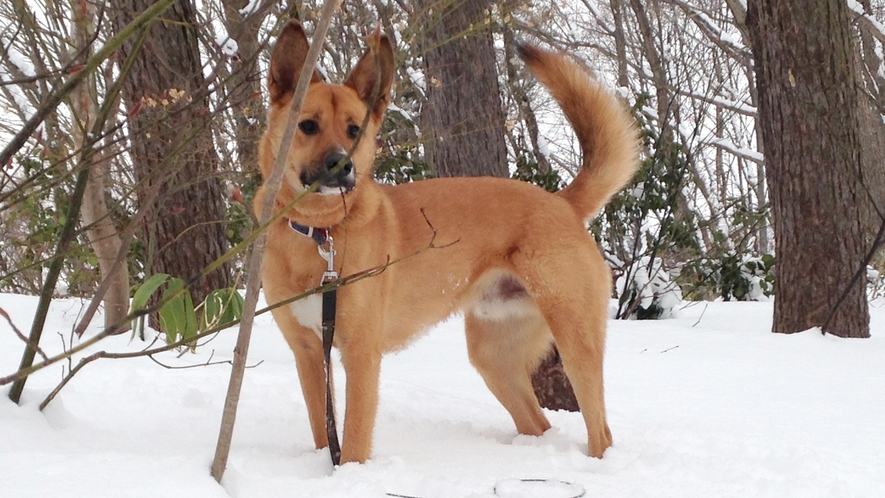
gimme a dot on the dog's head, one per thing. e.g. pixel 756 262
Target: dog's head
pixel 334 147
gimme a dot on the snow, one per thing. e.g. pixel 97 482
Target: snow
pixel 709 403
pixel 228 45
pixel 21 62
pixel 250 8
pixel 417 78
pixel 751 154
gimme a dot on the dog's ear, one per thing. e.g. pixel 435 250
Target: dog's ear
pixel 288 57
pixel 375 67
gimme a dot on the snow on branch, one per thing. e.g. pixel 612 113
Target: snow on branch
pixel 731 105
pixel 728 42
pixel 876 28
pixel 744 152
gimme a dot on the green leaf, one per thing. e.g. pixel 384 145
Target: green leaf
pixel 144 291
pixel 221 307
pixel 212 307
pixel 178 320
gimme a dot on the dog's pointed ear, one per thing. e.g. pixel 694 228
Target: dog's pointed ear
pixel 374 68
pixel 288 57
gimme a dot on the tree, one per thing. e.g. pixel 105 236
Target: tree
pixel 96 215
pixel 808 108
pixel 463 119
pixel 171 146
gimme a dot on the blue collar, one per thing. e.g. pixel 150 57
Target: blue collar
pixel 319 235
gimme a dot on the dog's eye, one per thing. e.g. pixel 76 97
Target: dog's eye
pixel 309 126
pixel 353 130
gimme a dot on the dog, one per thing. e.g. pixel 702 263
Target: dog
pixel 514 258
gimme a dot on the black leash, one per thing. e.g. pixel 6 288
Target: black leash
pixel 329 302
pixel 330 298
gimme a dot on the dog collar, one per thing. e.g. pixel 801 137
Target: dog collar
pixel 319 235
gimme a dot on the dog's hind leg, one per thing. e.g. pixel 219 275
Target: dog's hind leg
pixel 505 351
pixel 581 344
pixel 572 294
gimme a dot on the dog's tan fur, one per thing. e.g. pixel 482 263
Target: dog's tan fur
pixel 522 267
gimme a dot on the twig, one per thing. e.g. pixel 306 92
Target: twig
pixel 20 138
pixel 256 259
pixel 22 336
pixel 207 363
pixel 83 362
pixel 702 315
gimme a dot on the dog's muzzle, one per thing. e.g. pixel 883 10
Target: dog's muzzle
pixel 333 174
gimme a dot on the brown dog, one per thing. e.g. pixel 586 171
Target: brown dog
pixel 522 267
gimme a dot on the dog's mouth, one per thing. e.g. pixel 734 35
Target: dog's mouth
pixel 329 184
pixel 335 175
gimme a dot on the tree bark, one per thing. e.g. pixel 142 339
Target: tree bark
pixel 808 108
pixel 171 145
pixel 463 119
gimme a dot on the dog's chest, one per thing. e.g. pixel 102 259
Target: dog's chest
pixel 308 312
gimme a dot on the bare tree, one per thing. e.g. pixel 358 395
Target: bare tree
pixel 96 216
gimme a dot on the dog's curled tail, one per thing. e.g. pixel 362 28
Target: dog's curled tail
pixel 606 131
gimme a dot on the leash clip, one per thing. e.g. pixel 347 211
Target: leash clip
pixel 330 274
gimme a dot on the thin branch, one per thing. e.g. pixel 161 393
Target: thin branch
pixel 56 98
pixel 83 362
pixel 256 260
pixel 861 271
pixel 22 336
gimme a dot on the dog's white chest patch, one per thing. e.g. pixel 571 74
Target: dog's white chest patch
pixel 309 312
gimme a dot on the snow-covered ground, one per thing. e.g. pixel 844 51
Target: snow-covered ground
pixel 707 404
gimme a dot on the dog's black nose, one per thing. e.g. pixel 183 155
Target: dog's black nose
pixel 334 159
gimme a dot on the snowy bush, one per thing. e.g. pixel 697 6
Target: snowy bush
pixel 731 276
pixel 646 291
pixel 875 283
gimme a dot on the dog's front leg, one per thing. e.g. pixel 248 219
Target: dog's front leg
pixel 308 349
pixel 311 373
pixel 362 364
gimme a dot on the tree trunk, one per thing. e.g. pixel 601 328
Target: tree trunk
pixel 463 119
pixel 808 102
pixel 739 13
pixel 100 229
pixel 620 40
pixel 171 145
